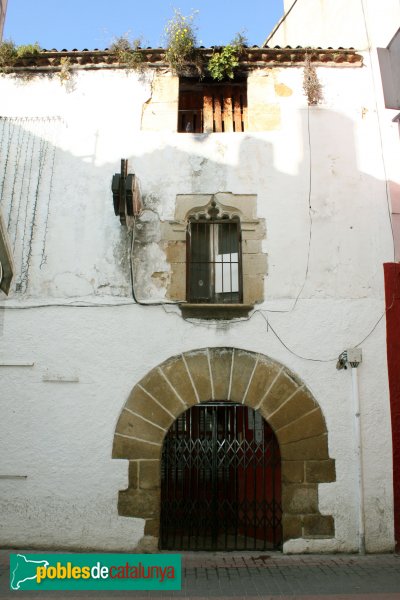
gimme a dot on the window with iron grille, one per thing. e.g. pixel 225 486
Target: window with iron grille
pixel 214 270
pixel 212 108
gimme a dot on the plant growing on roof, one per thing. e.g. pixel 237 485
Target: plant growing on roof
pixel 311 85
pixel 180 36
pixel 223 63
pixel 128 53
pixel 8 55
pixel 27 50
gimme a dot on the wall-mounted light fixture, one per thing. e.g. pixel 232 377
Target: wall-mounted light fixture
pixel 127 198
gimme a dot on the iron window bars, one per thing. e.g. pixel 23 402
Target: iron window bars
pixel 214 264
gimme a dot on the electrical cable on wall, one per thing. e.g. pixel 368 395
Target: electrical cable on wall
pixel 211 324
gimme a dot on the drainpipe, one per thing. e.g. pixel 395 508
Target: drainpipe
pixel 353 357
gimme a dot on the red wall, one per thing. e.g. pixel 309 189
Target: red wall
pixel 392 293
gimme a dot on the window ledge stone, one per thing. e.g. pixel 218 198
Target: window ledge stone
pixel 215 311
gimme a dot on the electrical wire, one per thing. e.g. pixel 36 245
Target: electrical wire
pixel 310 220
pixel 307 358
pixel 200 323
pixel 309 209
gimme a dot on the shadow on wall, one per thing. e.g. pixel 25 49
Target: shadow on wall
pixel 318 212
pixel 327 218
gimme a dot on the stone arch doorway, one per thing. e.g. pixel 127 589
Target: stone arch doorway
pixel 241 377
pixel 220 481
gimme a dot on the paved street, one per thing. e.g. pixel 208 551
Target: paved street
pixel 258 575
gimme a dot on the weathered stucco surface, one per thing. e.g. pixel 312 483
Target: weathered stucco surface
pixel 323 291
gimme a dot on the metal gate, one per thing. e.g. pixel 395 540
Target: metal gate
pixel 220 481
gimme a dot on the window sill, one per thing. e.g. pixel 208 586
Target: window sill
pixel 215 311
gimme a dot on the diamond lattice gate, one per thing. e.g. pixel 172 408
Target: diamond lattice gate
pixel 220 481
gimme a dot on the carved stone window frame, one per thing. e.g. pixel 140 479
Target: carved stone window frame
pixel 254 263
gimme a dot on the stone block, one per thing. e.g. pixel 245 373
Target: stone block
pixel 315 448
pixel 185 203
pixel 160 111
pixel 263 376
pixel 134 426
pixel 308 425
pixel 320 471
pixel 176 372
pixel 141 403
pixel 171 231
pixel 264 117
pixel 152 528
pixel 165 87
pixel 293 471
pixel 281 390
pixel 156 385
pixel 176 252
pixel 134 449
pixel 243 367
pixel 149 474
pixel 253 288
pixel 251 247
pixel 197 363
pixel 292 527
pixel 125 503
pixel 148 544
pixel 139 503
pixel 221 363
pixel 133 475
pixel 254 264
pixel 299 498
pixel 254 232
pixel 319 526
pixel 246 203
pixel 301 403
pixel 177 286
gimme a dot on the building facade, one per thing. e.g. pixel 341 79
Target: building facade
pixel 3 7
pixel 234 257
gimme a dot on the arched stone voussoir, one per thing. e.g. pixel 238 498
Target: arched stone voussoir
pixel 132 425
pixel 313 448
pixel 157 385
pixel 306 426
pixel 244 365
pixel 140 403
pixel 176 372
pixel 135 449
pixel 264 375
pixel 198 364
pixel 227 374
pixel 297 404
pixel 221 360
pixel 283 387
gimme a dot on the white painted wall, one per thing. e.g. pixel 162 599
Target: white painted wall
pixel 59 433
pixel 357 24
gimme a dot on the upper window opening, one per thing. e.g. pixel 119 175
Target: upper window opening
pixel 212 107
